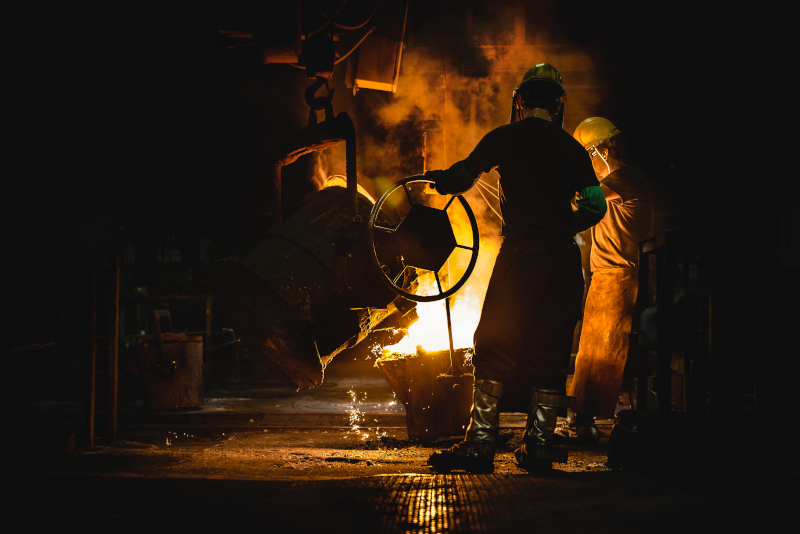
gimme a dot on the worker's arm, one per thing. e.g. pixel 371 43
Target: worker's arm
pixel 592 208
pixel 458 179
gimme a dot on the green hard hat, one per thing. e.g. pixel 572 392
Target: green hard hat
pixel 544 72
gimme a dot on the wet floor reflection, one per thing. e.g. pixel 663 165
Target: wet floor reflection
pixel 439 503
pixel 558 502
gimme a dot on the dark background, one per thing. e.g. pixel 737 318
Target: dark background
pixel 123 138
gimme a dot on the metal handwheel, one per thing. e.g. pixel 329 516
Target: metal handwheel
pixel 424 239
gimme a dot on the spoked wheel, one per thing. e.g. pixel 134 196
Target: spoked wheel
pixel 424 239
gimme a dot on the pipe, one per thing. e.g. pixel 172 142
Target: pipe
pixel 345 56
pixel 342 26
pixel 348 129
pixel 354 47
pixel 327 20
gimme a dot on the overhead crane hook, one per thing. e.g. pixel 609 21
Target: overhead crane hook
pixel 317 103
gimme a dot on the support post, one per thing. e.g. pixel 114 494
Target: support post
pixel 92 363
pixel 277 213
pixel 208 321
pixel 449 334
pixel 668 265
pixel 113 357
pixel 642 299
pixel 447 86
pixel 701 363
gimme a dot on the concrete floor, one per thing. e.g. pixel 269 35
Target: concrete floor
pixel 261 456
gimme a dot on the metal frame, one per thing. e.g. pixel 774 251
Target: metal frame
pixel 670 247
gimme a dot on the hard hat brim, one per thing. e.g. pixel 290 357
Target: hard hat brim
pixel 600 141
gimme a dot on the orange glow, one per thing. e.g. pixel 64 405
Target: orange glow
pixel 430 331
pixel 339 180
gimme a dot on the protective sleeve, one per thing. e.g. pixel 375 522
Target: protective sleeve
pixel 592 208
pixel 458 179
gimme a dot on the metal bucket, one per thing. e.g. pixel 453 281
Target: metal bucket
pixel 436 403
pixel 179 383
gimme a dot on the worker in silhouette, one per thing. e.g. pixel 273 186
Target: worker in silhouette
pixel 524 339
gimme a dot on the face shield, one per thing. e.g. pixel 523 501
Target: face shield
pixel 593 149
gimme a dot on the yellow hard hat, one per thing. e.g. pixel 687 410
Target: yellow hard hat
pixel 593 131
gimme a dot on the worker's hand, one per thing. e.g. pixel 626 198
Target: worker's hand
pixel 433 176
pixel 456 180
pixel 591 208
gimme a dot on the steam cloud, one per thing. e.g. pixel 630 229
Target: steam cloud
pixel 454 106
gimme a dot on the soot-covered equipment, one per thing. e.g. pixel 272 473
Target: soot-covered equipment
pixel 338 269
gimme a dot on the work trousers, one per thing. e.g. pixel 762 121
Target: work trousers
pixel 524 337
pixel 605 337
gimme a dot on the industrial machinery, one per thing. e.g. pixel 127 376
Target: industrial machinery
pixel 343 265
pixel 324 279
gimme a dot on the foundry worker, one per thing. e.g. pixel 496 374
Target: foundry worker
pixel 533 301
pixel 614 263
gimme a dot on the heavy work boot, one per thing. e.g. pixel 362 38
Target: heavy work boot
pixel 476 453
pixel 579 429
pixel 538 451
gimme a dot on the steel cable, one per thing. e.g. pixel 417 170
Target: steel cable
pixel 490 205
pixel 342 26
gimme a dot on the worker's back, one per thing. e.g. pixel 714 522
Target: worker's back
pixel 541 167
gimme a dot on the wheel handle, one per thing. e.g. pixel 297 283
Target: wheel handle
pixel 417 230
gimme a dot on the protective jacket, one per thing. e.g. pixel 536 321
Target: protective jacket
pixel 541 168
